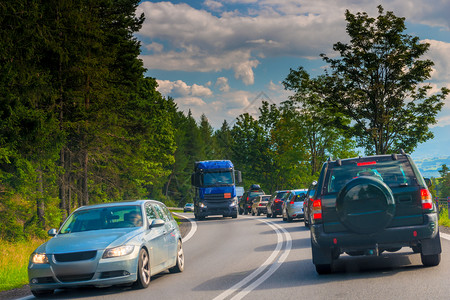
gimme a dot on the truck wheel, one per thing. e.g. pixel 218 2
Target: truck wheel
pixel 259 213
pixel 289 219
pixel 268 215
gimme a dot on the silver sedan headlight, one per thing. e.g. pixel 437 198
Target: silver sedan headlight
pixel 118 251
pixel 39 258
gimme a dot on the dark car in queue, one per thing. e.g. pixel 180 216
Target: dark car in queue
pixel 369 205
pixel 245 205
pixel 259 205
pixel 189 207
pixel 274 205
pixel 308 202
pixel 292 207
pixel 108 244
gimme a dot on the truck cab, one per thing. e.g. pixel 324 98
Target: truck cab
pixel 215 182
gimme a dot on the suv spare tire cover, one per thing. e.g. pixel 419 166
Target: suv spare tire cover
pixel 365 205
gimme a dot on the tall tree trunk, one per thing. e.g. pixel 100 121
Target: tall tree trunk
pixel 63 185
pixel 85 178
pixel 40 205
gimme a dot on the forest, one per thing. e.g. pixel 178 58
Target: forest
pixel 80 123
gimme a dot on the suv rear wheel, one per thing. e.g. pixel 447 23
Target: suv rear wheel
pixel 430 260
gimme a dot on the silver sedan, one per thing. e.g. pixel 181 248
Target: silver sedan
pixel 108 244
pixel 293 205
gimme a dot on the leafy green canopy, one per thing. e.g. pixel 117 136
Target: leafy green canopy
pixel 377 83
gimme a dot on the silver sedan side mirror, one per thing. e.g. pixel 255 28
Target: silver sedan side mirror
pixel 52 232
pixel 157 223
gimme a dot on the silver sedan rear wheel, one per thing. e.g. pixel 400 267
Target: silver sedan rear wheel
pixel 179 266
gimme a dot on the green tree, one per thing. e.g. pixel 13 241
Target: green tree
pixel 376 82
pixel 444 182
pixel 224 142
pixel 322 129
pixel 208 151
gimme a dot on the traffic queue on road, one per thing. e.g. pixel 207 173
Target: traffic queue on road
pixel 359 206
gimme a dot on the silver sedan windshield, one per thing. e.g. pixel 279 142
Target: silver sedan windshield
pixel 103 218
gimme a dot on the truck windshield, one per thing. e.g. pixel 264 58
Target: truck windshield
pixel 217 178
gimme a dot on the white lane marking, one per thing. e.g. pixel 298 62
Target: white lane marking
pixel 445 236
pixel 193 228
pixel 271 270
pixel 262 267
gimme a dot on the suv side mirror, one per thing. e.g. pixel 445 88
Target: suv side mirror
pixel 238 176
pixel 195 179
pixel 428 182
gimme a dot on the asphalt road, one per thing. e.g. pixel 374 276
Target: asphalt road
pixel 261 258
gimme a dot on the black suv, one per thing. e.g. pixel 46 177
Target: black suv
pixel 246 202
pixel 367 205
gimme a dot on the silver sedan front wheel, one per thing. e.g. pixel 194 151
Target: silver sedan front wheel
pixel 143 270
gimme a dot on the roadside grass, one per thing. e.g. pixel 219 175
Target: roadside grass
pixel 175 216
pixel 14 262
pixel 443 217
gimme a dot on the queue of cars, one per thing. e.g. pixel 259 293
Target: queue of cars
pixel 363 206
pixel 358 206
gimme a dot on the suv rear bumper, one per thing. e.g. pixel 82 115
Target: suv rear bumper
pixel 387 238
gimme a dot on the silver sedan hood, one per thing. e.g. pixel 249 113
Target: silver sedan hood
pixel 89 240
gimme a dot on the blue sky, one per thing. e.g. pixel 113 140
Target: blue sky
pixel 221 58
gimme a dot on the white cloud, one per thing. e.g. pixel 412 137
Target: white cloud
pixel 274 87
pixel 439 53
pixel 194 60
pixel 222 84
pixel 155 47
pixel 181 89
pixel 213 5
pixel 190 101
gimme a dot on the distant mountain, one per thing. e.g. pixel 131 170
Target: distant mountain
pixel 429 166
pixel 437 147
pixel 430 156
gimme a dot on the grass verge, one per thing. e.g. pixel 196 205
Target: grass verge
pixel 14 263
pixel 443 217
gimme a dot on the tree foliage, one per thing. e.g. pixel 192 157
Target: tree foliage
pixel 377 83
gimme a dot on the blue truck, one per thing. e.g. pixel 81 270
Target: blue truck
pixel 215 188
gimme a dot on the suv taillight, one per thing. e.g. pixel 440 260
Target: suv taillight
pixel 427 201
pixel 317 209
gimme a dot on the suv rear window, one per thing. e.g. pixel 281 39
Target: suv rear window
pixel 395 173
pixel 254 194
